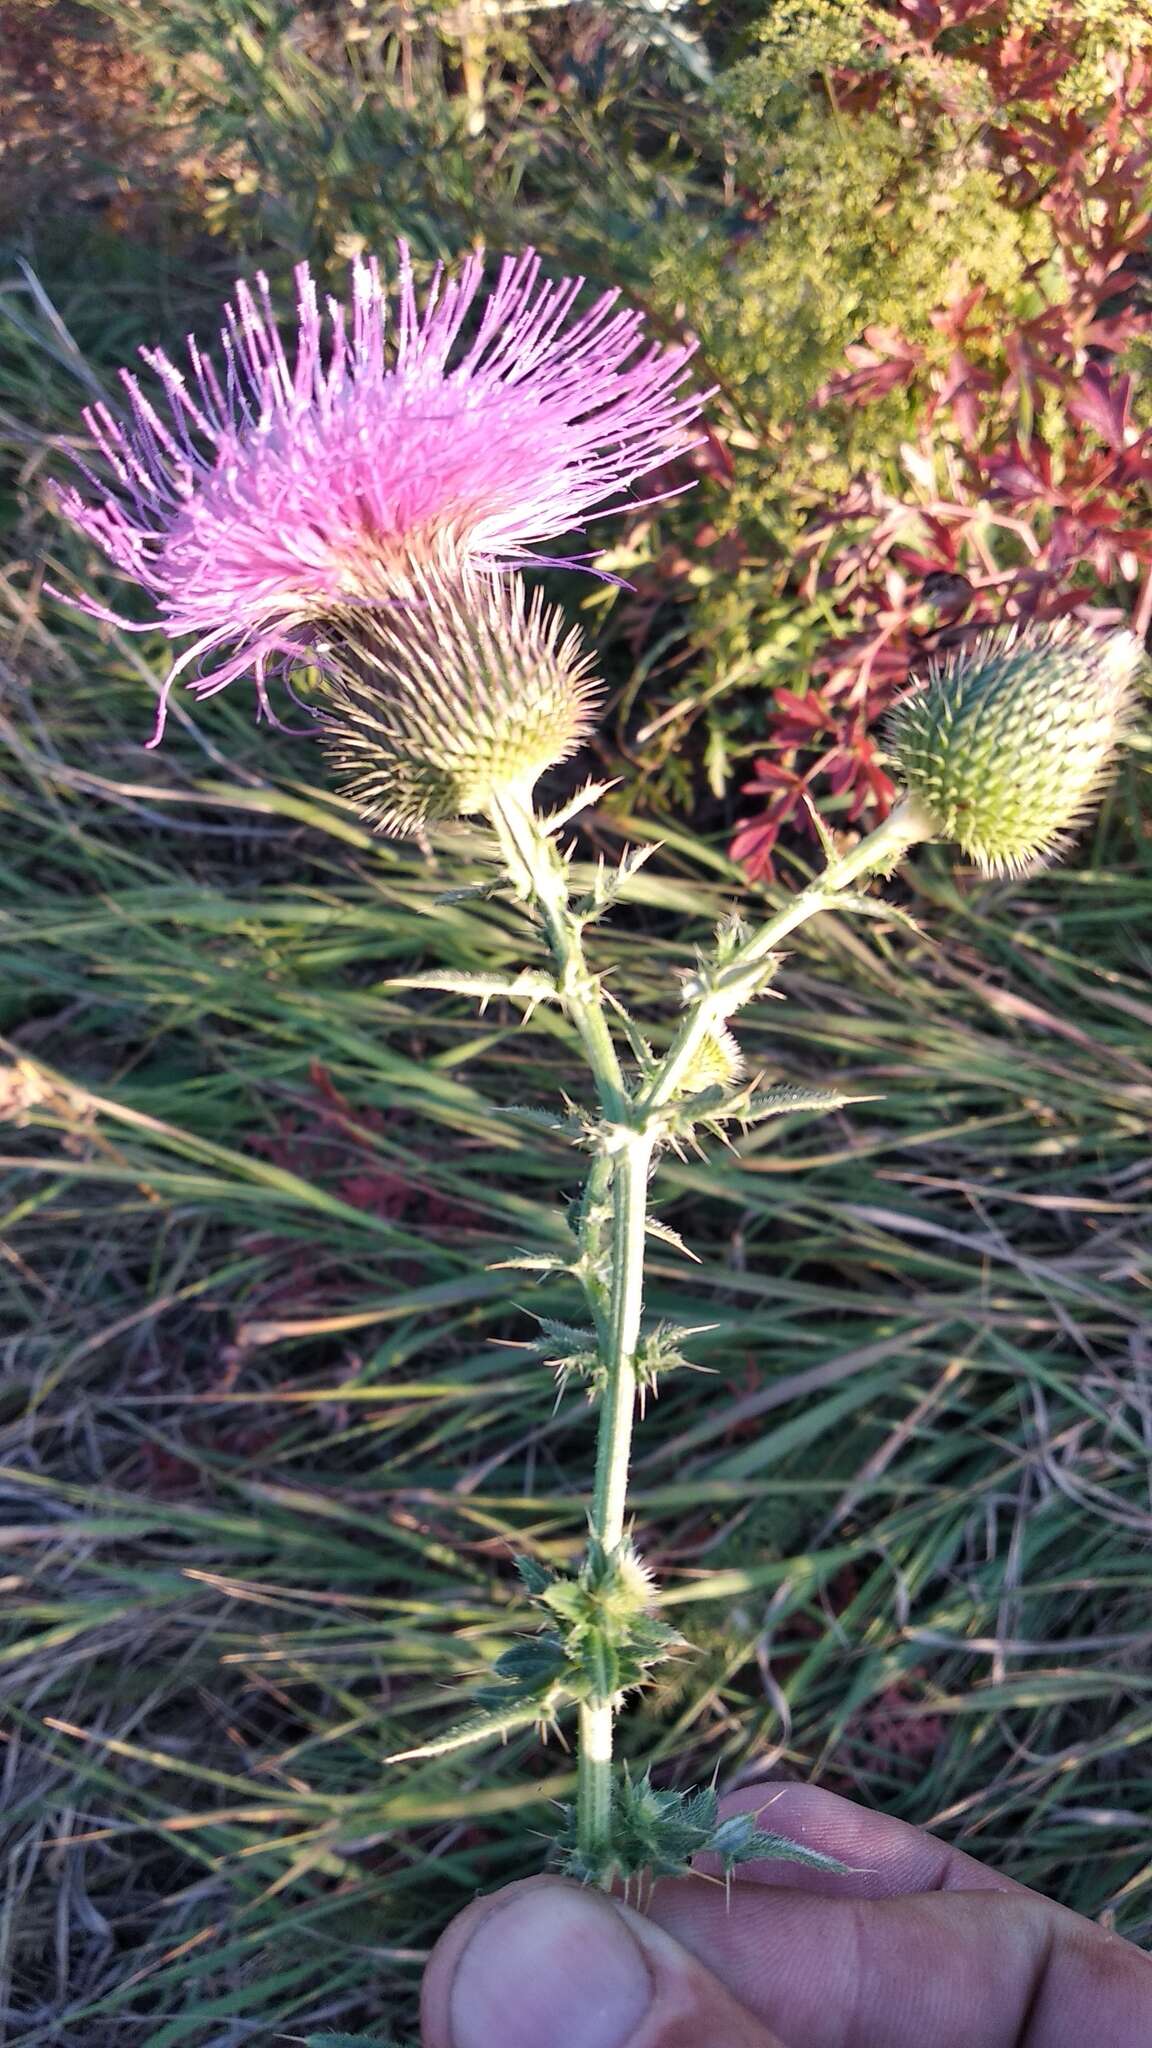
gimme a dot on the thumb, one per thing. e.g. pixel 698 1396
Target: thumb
pixel 547 1964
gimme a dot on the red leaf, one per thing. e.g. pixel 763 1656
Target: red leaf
pixel 887 360
pixel 1103 405
pixel 809 713
pixel 1022 476
pixel 752 847
pixel 768 775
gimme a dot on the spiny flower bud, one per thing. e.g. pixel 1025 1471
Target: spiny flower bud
pixel 461 689
pixel 1008 743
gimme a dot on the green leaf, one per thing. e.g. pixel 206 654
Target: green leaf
pixel 667 1235
pixel 565 1338
pixel 474 892
pixel 525 987
pixel 827 842
pixel 875 906
pixel 610 884
pixel 519 1713
pixel 532 1666
pixel 528 1264
pixel 787 1101
pixel 659 1833
pixel 739 1840
pixel 534 1576
pixel 583 799
pixel 541 1119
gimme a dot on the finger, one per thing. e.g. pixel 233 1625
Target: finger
pixel 885 1858
pixel 546 1964
pixel 953 1968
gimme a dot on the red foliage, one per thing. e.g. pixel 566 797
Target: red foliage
pixel 340 1147
pixel 895 1727
pixel 169 1475
pixel 1029 485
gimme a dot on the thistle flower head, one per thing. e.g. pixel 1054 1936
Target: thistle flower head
pixel 461 689
pixel 1008 743
pixel 251 494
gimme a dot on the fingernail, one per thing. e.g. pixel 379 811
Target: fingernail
pixel 554 1968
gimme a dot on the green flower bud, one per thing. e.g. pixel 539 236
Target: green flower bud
pixel 1007 745
pixel 462 688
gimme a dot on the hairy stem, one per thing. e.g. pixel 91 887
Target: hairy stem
pixel 593 1214
pixel 881 849
pixel 594 1783
pixel 618 1177
pixel 613 1456
pixel 538 875
pixel 617 1408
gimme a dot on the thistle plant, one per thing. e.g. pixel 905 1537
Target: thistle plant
pixel 366 510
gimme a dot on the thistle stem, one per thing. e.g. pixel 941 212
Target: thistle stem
pixel 881 849
pixel 538 875
pixel 594 1734
pixel 618 1406
pixel 613 1456
pixel 630 1132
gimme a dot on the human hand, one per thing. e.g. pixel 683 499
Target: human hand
pixel 916 1946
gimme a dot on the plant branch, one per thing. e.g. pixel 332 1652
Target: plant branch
pixel 538 874
pixel 628 1134
pixel 880 850
pixel 613 1457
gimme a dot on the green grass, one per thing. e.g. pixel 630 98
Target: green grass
pixel 269 1447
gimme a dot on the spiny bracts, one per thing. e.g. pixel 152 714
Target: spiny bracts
pixel 461 689
pixel 1007 744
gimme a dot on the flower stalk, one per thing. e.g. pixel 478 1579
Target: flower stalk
pixel 952 738
pixel 613 1460
pixel 634 1124
pixel 878 853
pixel 537 873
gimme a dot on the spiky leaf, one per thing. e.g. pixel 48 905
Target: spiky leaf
pixel 664 1233
pixel 658 1833
pixel 525 987
pixel 788 1100
pixel 520 1712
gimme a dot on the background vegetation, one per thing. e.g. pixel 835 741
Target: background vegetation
pixel 269 1444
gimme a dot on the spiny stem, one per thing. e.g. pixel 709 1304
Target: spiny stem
pixel 630 1132
pixel 594 1784
pixel 880 849
pixel 538 875
pixel 594 1203
pixel 613 1457
pixel 618 1406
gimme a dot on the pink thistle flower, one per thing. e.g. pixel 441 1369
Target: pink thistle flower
pixel 249 499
